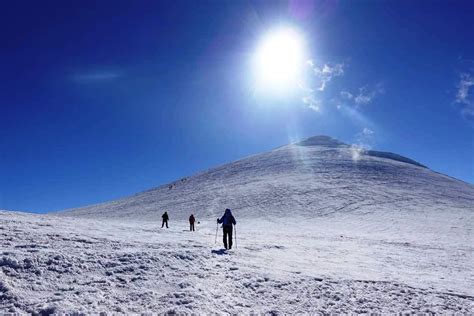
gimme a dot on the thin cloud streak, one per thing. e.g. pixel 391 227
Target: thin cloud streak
pixel 366 95
pixel 315 86
pixel 97 76
pixel 464 95
pixel 465 83
pixel 312 103
pixel 364 141
pixel 326 72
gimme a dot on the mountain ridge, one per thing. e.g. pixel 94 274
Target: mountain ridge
pixel 296 177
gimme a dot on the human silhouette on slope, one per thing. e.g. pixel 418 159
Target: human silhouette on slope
pixel 227 221
pixel 165 218
pixel 191 222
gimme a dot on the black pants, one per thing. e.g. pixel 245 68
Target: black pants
pixel 228 235
pixel 163 224
pixel 191 227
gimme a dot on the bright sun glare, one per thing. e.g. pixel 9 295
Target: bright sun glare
pixel 279 60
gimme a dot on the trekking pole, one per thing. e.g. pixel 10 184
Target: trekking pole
pixel 235 228
pixel 217 228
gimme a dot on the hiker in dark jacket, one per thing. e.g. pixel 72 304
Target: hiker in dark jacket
pixel 227 221
pixel 165 218
pixel 191 222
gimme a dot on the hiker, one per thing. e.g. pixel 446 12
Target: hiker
pixel 227 221
pixel 165 218
pixel 191 222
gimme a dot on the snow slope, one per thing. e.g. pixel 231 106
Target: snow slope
pixel 321 227
pixel 315 177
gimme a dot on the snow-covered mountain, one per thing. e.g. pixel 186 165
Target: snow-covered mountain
pixel 322 227
pixel 314 177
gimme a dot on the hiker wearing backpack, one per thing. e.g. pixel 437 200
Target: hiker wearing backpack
pixel 191 222
pixel 165 218
pixel 227 220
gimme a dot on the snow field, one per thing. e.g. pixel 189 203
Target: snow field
pixel 91 266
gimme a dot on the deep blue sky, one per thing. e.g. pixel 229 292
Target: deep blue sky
pixel 102 99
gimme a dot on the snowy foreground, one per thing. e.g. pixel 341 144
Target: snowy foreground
pixel 336 263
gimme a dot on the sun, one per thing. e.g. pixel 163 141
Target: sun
pixel 279 60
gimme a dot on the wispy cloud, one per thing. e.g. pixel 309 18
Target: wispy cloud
pixel 312 103
pixel 367 95
pixel 464 96
pixel 364 141
pixel 314 92
pixel 363 97
pixel 465 83
pixel 314 87
pixel 325 73
pixel 97 76
pixel 347 95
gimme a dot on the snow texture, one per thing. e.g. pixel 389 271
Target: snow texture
pixel 314 178
pixel 317 232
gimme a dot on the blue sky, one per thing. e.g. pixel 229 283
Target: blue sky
pixel 102 99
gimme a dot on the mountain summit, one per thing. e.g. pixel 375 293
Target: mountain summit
pixel 314 177
pixel 321 140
